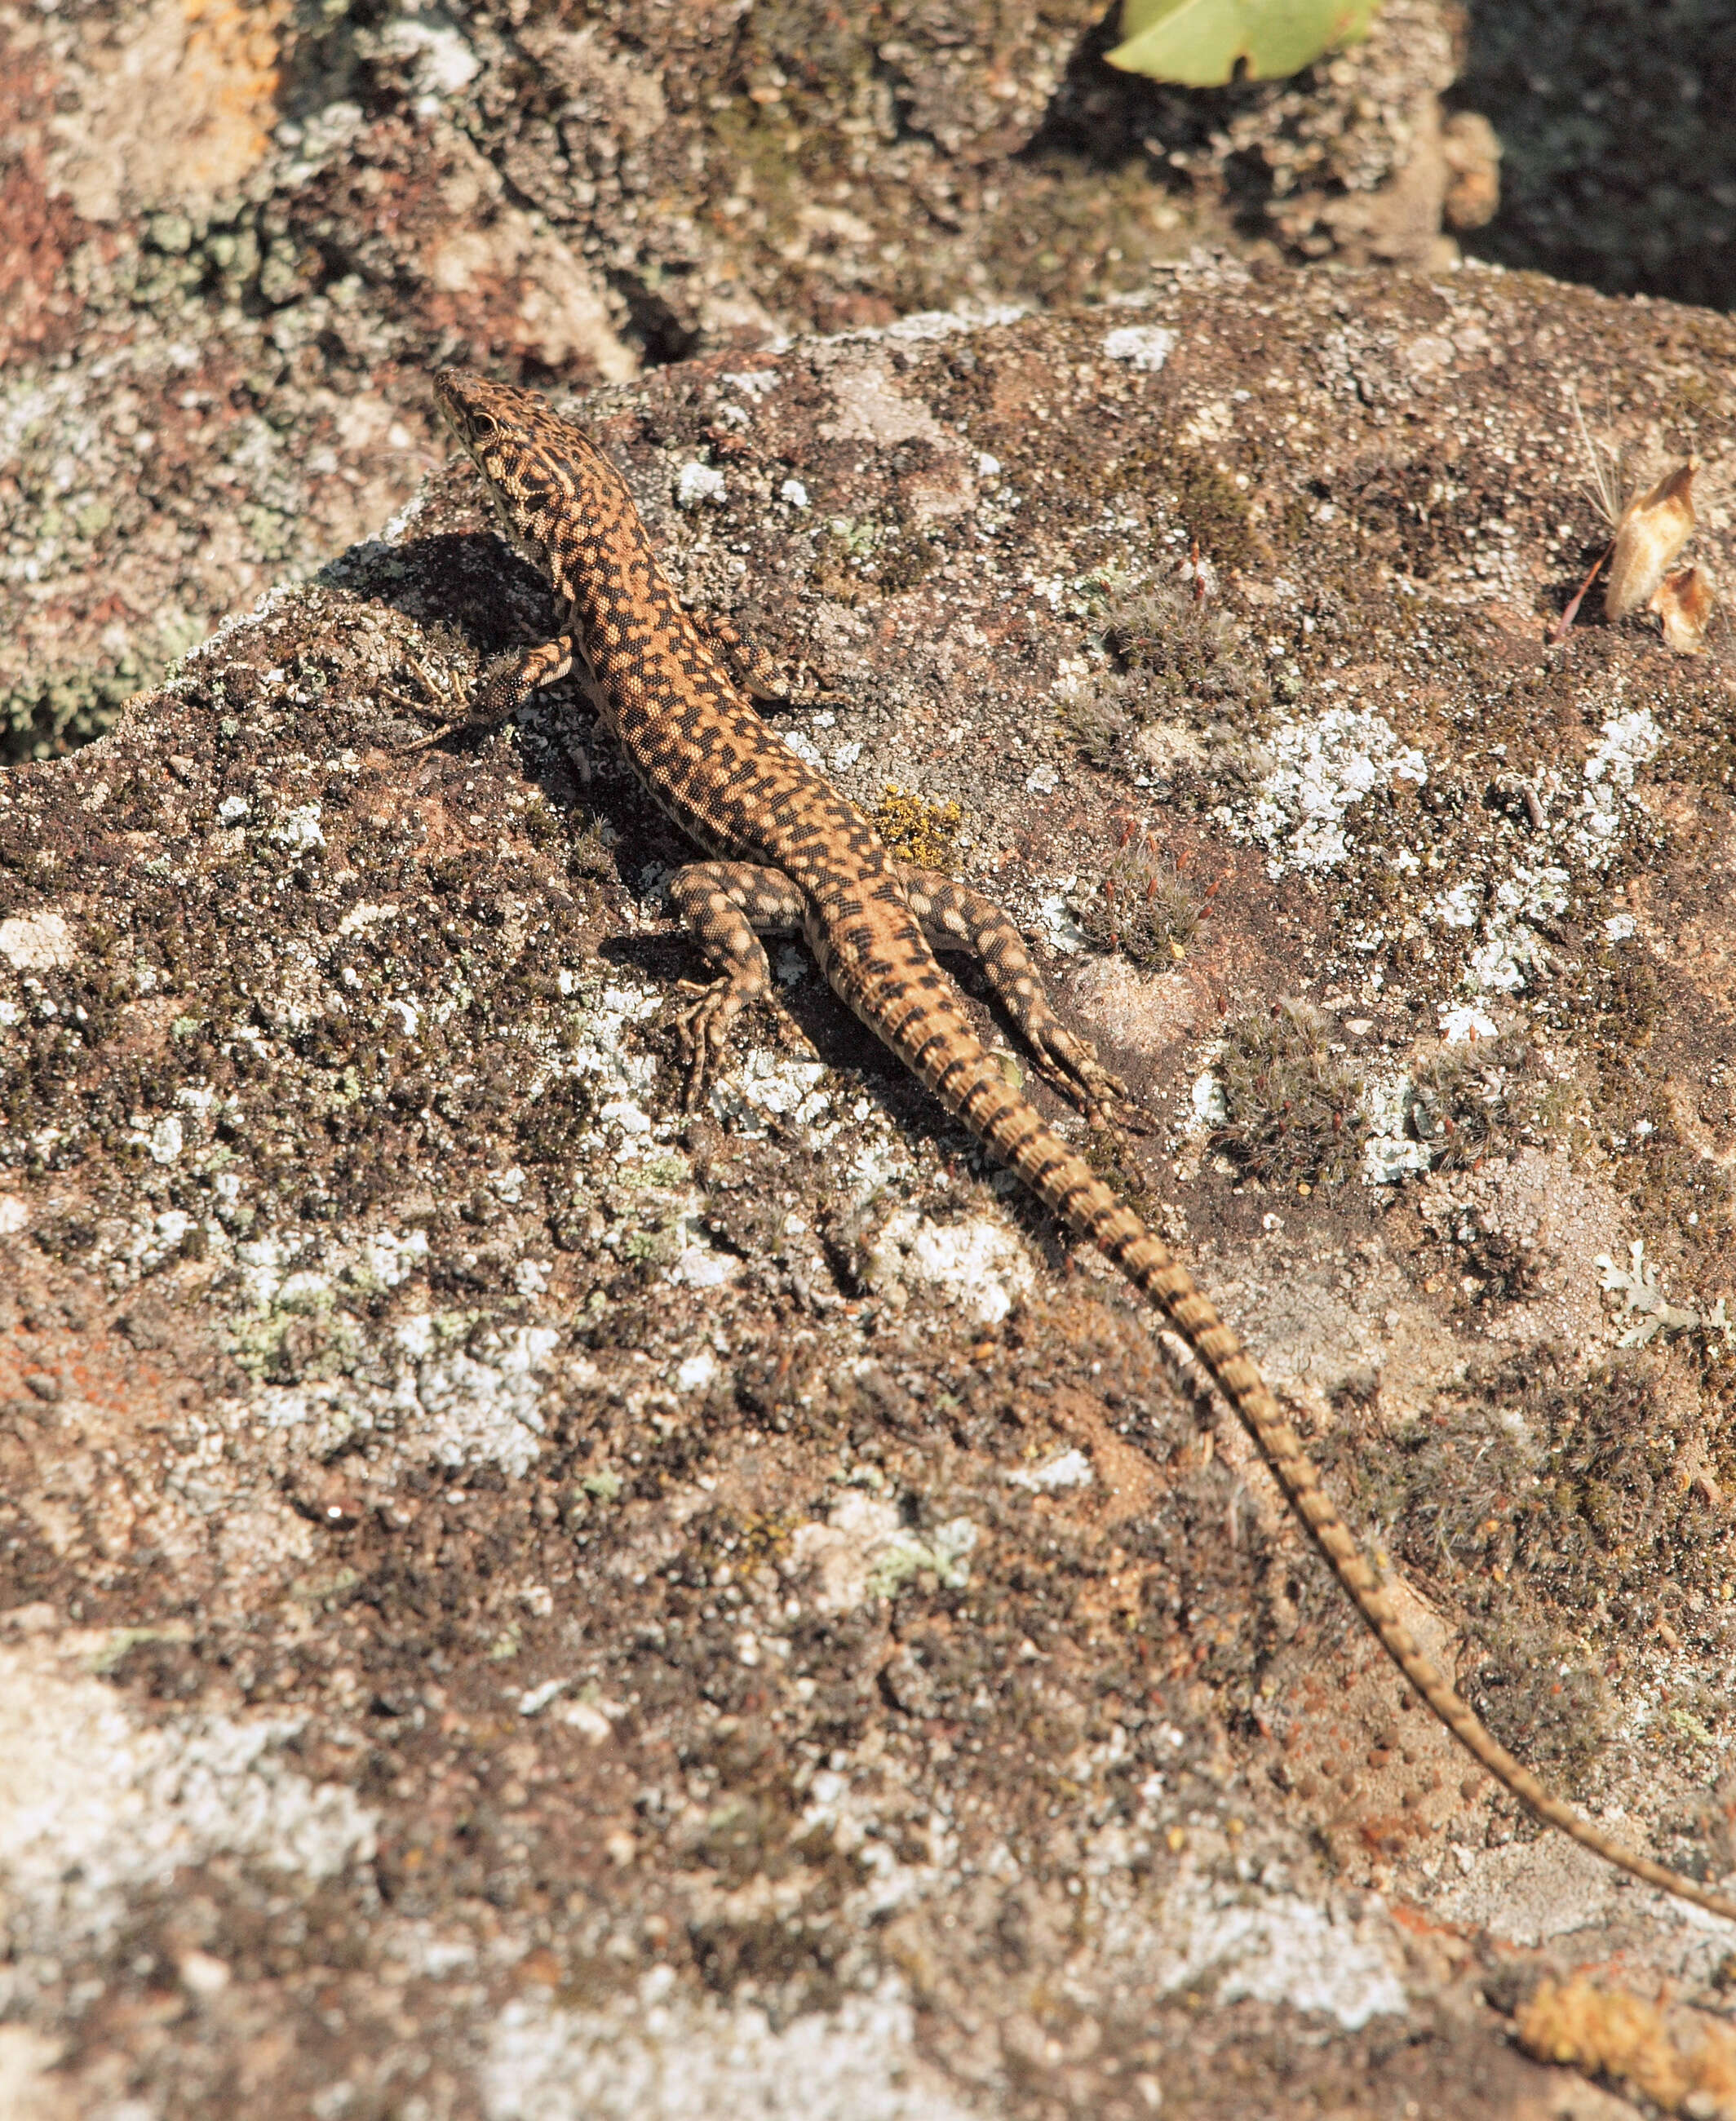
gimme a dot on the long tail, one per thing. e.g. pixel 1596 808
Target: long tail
pixel 1011 1129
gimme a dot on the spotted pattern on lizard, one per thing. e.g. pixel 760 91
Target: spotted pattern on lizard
pixel 790 853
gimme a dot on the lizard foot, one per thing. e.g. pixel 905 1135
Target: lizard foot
pixel 443 698
pixel 1069 1065
pixel 758 674
pixel 703 1030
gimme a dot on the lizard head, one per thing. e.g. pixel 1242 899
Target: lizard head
pixel 518 445
pixel 496 424
pixel 528 457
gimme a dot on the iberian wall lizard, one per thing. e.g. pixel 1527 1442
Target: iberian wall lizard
pixel 788 853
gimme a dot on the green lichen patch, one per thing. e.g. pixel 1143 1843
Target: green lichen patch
pixel 45 717
pixel 857 562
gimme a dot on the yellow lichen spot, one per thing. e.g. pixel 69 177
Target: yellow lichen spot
pixel 1685 2064
pixel 924 834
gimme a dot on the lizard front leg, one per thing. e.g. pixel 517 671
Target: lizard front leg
pixel 726 907
pixel 954 917
pixel 507 690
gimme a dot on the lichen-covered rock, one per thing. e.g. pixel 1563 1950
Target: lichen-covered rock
pixel 516 1600
pixel 236 237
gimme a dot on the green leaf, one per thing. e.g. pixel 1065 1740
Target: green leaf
pixel 1200 42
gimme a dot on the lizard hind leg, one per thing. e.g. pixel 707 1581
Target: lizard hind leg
pixel 726 907
pixel 954 917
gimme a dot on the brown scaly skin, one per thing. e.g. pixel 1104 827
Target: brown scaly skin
pixel 791 855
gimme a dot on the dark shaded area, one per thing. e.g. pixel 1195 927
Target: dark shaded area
pixel 1619 156
pixel 1100 118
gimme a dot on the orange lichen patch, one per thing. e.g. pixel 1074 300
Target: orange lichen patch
pixel 1610 2032
pixel 229 78
pixel 177 108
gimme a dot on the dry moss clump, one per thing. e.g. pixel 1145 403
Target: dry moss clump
pixel 1552 1504
pixel 1181 692
pixel 1483 1099
pixel 1292 1107
pixel 1144 907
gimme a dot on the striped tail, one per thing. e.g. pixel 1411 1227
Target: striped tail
pixel 1011 1129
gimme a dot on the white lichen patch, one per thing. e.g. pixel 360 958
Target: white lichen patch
pixel 1628 742
pixel 455 1401
pixel 95 1808
pixel 363 916
pixel 389 1260
pixel 767 1086
pixel 1277 1947
pixel 1072 1469
pixel 299 830
pixel 1210 1106
pixel 1529 1891
pixel 666 2055
pixel 698 1264
pixel 486 1406
pixel 1463 1022
pixel 599 1047
pixel 696 1374
pixel 1641 1290
pixel 37 942
pixel 1390 1151
pixel 977 1264
pixel 1325 767
pixel 699 484
pixel 1061 930
pixel 1145 347
pixel 865 1549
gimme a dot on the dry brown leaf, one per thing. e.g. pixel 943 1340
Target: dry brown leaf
pixel 1684 603
pixel 1653 529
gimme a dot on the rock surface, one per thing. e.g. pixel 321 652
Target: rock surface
pixel 519 1601
pixel 237 238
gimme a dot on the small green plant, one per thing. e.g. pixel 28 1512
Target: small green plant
pixel 1203 43
pixel 1292 1109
